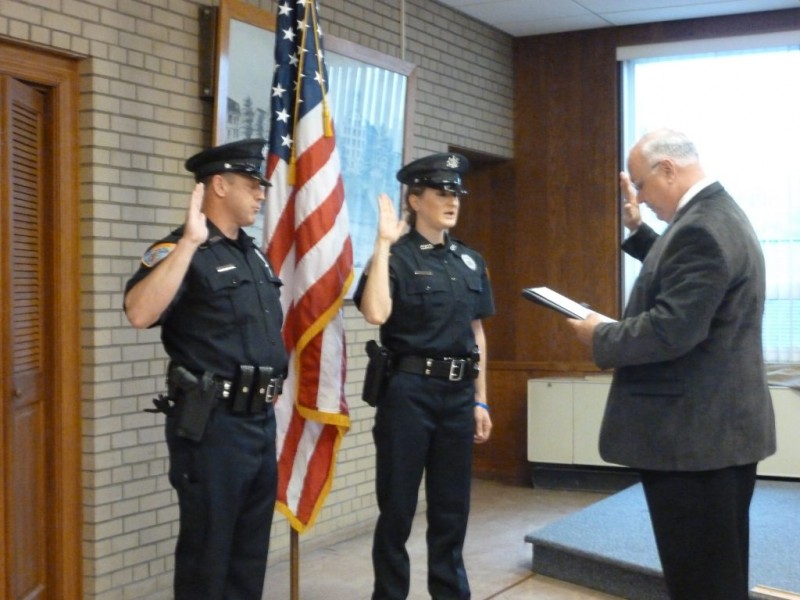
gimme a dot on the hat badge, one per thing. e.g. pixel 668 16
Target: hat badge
pixel 452 162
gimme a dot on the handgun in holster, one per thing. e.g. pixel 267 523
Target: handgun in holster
pixel 378 372
pixel 178 379
pixel 197 399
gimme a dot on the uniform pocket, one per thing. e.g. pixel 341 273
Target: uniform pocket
pixel 184 478
pixel 227 280
pixel 430 299
pixel 225 291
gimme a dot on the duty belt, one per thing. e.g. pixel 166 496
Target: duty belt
pixel 453 369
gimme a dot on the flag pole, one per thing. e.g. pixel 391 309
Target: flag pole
pixel 294 552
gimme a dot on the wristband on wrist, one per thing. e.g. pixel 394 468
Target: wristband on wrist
pixel 483 405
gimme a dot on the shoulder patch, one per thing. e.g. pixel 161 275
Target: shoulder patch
pixel 469 261
pixel 156 253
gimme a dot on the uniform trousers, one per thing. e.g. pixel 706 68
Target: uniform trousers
pixel 701 521
pixel 423 424
pixel 226 486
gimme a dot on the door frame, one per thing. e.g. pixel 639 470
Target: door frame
pixel 58 76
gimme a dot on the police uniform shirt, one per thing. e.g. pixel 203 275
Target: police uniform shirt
pixel 227 311
pixel 437 291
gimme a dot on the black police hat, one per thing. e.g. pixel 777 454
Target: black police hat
pixel 243 156
pixel 442 171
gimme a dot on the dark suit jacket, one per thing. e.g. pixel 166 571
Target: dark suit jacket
pixel 690 391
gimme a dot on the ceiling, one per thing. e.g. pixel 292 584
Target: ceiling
pixel 534 17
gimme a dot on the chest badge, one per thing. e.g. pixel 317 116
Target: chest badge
pixel 469 261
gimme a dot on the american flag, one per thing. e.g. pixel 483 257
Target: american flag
pixel 309 245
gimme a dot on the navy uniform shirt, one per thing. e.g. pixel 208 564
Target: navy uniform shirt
pixel 227 311
pixel 437 291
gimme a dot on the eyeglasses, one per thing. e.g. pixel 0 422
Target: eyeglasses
pixel 639 185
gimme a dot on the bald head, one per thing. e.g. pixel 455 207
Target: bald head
pixel 663 165
pixel 660 144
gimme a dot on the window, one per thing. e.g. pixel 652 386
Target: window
pixel 740 108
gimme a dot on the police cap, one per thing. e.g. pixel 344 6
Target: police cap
pixel 442 171
pixel 243 156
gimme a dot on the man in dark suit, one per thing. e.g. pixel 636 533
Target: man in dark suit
pixel 689 405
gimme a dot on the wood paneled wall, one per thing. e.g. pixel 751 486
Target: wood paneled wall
pixel 553 216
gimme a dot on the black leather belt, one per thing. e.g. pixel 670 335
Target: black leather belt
pixel 452 369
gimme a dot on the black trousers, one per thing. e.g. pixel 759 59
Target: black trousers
pixel 423 425
pixel 226 487
pixel 701 522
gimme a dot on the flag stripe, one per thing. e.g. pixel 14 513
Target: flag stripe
pixel 279 215
pixel 328 254
pixel 308 308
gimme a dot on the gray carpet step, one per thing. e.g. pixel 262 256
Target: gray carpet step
pixel 609 545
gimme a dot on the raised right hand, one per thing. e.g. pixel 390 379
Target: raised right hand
pixel 631 217
pixel 390 226
pixel 196 229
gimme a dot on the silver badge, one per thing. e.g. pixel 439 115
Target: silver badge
pixel 469 261
pixel 452 162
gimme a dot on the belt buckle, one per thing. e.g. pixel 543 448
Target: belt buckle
pixel 457 369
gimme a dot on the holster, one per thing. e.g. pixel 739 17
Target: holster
pixel 378 371
pixel 178 379
pixel 197 398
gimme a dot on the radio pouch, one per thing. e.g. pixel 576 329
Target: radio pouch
pixel 377 375
pixel 244 389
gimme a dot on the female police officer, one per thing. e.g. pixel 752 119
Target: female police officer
pixel 428 292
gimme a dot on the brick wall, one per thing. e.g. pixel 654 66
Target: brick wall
pixel 141 116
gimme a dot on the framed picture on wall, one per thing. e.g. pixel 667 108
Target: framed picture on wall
pixel 371 97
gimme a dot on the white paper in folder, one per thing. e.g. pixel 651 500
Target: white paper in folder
pixel 559 303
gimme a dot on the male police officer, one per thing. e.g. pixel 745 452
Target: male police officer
pixel 216 298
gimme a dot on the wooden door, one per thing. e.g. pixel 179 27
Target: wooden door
pixel 25 410
pixel 40 511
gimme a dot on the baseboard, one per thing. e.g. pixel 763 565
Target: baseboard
pixel 583 478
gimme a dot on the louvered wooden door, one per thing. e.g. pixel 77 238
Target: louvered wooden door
pixel 25 329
